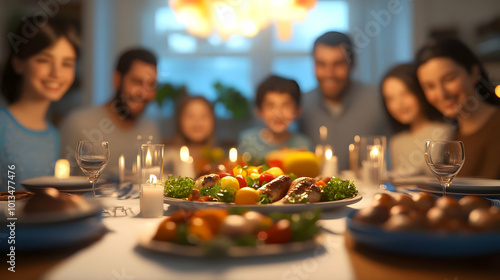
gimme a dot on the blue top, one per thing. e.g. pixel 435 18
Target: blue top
pixel 251 141
pixel 32 152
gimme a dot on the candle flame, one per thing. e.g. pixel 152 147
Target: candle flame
pixel 184 153
pixel 148 159
pixel 374 152
pixel 328 154
pixel 233 155
pixel 152 179
pixel 62 169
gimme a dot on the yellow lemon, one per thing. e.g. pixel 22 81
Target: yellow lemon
pixel 275 171
pixel 229 182
pixel 247 195
pixel 302 164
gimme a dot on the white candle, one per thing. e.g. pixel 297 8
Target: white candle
pixel 121 169
pixel 330 165
pixel 151 199
pixel 62 169
pixel 186 168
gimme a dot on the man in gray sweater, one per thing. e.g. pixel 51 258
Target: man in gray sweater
pixel 346 108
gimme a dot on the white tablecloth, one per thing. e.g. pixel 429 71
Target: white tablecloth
pixel 117 255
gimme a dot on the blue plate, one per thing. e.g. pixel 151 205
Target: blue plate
pixel 428 244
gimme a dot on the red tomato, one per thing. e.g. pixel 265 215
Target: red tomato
pixel 279 233
pixel 223 174
pixel 242 181
pixel 265 177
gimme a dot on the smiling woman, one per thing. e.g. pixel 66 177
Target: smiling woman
pixel 40 69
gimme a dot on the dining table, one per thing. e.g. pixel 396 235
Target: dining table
pixel 115 254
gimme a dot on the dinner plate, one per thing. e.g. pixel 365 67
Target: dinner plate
pixel 42 236
pixel 73 184
pixel 146 241
pixel 426 244
pixel 266 208
pixel 464 185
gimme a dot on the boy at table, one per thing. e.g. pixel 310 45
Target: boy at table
pixel 120 121
pixel 277 105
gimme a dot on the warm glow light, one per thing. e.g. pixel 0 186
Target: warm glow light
pixel 121 168
pixel 184 153
pixel 233 155
pixel 497 91
pixel 374 153
pixel 228 17
pixel 62 169
pixel 328 154
pixel 152 179
pixel 148 159
pixel 323 132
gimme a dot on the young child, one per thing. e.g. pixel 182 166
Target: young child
pixel 36 74
pixel 195 128
pixel 277 105
pixel 414 119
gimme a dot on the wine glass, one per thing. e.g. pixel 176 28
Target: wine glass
pixel 92 158
pixel 445 159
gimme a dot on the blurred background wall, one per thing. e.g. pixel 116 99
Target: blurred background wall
pixel 385 32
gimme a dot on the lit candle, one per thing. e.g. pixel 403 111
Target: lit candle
pixel 233 155
pixel 121 169
pixel 372 166
pixel 148 169
pixel 330 164
pixel 151 198
pixel 186 168
pixel 374 154
pixel 62 169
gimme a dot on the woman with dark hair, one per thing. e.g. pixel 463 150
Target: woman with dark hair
pixel 455 82
pixel 195 128
pixel 413 118
pixel 39 71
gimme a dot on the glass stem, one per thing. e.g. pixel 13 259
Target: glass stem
pixel 445 185
pixel 93 188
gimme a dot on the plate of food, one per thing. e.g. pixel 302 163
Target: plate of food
pixel 424 225
pixel 266 192
pixel 51 219
pixel 216 232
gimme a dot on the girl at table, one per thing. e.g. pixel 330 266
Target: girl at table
pixel 413 119
pixel 195 128
pixel 39 70
pixel 455 82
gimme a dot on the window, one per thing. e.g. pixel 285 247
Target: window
pixel 239 61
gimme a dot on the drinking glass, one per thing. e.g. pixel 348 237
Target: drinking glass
pixel 92 158
pixel 445 159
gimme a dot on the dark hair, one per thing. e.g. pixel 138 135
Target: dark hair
pixel 454 49
pixel 129 56
pixel 28 39
pixel 334 39
pixel 182 104
pixel 407 73
pixel 279 84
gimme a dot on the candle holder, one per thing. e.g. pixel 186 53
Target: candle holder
pixel 372 156
pixel 151 178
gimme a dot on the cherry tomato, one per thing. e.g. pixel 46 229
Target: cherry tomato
pixel 320 184
pixel 242 181
pixel 223 174
pixel 265 177
pixel 279 233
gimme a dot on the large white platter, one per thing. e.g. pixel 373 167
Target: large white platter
pixel 267 208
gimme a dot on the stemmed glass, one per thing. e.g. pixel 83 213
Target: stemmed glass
pixel 92 158
pixel 445 159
